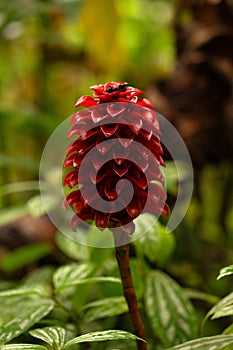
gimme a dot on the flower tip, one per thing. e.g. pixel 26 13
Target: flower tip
pixel 85 101
pixel 145 103
pixel 96 87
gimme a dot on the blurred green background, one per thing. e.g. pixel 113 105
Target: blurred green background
pixel 51 51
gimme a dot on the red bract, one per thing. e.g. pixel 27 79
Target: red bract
pixel 116 137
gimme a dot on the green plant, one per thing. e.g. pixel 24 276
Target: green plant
pixel 57 305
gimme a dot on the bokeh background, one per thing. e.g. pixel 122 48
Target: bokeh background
pixel 181 53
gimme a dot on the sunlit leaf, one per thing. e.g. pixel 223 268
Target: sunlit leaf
pixel 107 307
pixel 89 280
pixel 20 313
pixel 22 347
pixel 75 274
pixel 102 336
pixel 169 310
pixel 223 308
pixel 24 290
pixel 218 342
pixel 226 271
pixel 54 336
pixel 67 275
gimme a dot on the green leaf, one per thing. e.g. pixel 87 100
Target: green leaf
pixel 144 223
pixel 195 294
pixel 11 214
pixel 54 336
pixel 149 242
pixel 73 275
pixel 72 249
pixel 225 271
pixel 22 347
pixel 169 310
pixel 156 244
pixel 102 336
pixel 19 313
pixel 20 187
pixel 24 290
pixel 229 330
pixel 40 276
pixel 67 275
pixel 24 256
pixel 35 205
pixel 171 176
pixel 218 342
pixel 89 280
pixel 20 161
pixel 107 307
pixel 223 308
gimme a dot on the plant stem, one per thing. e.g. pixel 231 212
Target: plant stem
pixel 122 256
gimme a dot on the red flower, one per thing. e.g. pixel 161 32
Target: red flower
pixel 116 138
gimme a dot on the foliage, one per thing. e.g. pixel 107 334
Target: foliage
pixel 83 295
pixel 61 295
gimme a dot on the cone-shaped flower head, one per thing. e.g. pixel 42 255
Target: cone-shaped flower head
pixel 113 164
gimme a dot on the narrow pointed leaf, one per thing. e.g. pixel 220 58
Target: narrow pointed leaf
pixel 22 347
pixel 25 290
pixel 102 336
pixel 107 307
pixel 54 336
pixel 169 310
pixel 218 342
pixel 67 275
pixel 195 294
pixel 89 280
pixel 223 308
pixel 19 313
pixel 225 271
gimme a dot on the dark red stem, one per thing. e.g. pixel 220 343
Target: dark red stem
pixel 122 256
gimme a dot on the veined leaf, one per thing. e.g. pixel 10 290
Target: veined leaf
pixel 72 275
pixel 102 336
pixel 223 308
pixel 24 290
pixel 169 310
pixel 22 347
pixel 67 275
pixel 40 276
pixel 16 319
pixel 218 342
pixel 54 336
pixel 225 271
pixel 105 308
pixel 89 280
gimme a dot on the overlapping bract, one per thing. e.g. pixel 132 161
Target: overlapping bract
pixel 125 137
